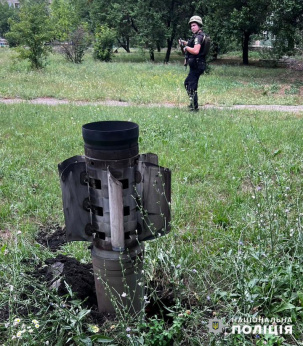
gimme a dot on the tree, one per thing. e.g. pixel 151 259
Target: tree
pixel 286 23
pixel 150 23
pixel 177 13
pixel 118 15
pixel 70 30
pixel 33 30
pixel 161 21
pixel 82 9
pixel 240 19
pixel 6 12
pixel 64 18
pixel 151 28
pixel 217 31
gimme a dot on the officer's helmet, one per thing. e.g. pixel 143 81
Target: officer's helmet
pixel 195 19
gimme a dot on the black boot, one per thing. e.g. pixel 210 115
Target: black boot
pixel 193 99
pixel 191 103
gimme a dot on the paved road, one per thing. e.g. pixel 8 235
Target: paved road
pixel 54 102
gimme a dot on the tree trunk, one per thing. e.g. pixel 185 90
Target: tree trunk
pixel 125 44
pixel 246 37
pixel 215 51
pixel 158 47
pixel 151 54
pixel 169 47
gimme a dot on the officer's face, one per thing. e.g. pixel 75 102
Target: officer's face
pixel 194 27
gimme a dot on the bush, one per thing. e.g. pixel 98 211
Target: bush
pixel 75 48
pixel 104 41
pixel 32 30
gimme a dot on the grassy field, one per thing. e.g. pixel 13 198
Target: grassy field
pixel 147 83
pixel 236 245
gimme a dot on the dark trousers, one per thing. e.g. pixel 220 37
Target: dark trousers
pixel 192 80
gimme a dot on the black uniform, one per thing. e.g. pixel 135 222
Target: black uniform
pixel 197 64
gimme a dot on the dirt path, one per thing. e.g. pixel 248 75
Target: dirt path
pixel 54 102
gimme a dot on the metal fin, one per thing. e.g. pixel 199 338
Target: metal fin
pixel 154 192
pixel 75 198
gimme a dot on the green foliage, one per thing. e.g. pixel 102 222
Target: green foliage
pixel 103 45
pixel 32 30
pixel 153 25
pixel 237 21
pixel 156 332
pixel 147 24
pixel 167 20
pixel 118 15
pixel 64 18
pixel 82 8
pixel 6 12
pixel 152 29
pixel 286 23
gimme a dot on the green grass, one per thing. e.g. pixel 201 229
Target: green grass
pixel 235 249
pixel 147 83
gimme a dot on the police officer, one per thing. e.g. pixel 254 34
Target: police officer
pixel 195 59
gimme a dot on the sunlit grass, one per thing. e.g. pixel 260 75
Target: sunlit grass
pixel 146 83
pixel 235 248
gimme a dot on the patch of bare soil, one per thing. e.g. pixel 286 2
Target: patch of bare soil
pixel 52 237
pixel 296 65
pixel 4 314
pixel 5 234
pixel 283 88
pixel 78 276
pixel 55 271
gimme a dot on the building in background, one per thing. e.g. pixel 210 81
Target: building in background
pixel 3 43
pixel 14 3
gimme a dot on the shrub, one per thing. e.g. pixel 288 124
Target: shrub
pixel 75 48
pixel 33 30
pixel 104 41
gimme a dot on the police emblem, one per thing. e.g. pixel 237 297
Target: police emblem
pixel 215 326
